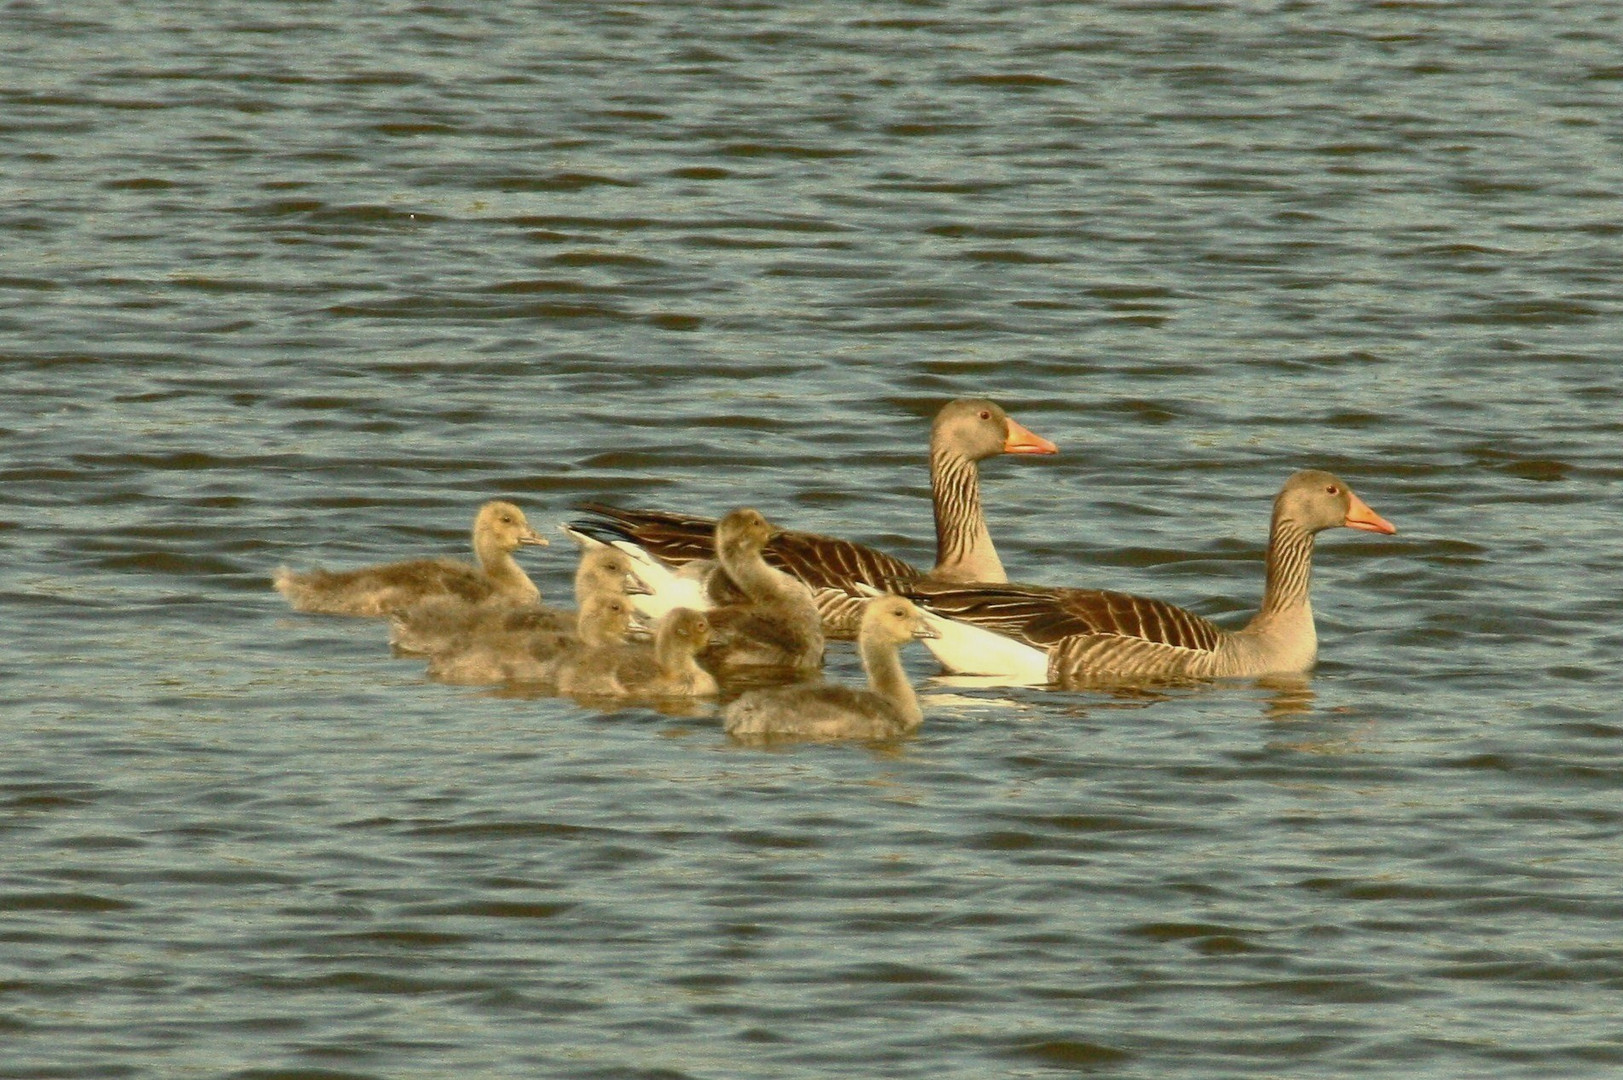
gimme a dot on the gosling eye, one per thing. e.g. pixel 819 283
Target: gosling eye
pixel 986 414
pixel 1332 490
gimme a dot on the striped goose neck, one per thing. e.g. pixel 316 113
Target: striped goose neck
pixel 1290 567
pixel 964 550
pixel 886 677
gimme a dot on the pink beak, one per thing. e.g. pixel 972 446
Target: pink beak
pixel 1021 440
pixel 1360 516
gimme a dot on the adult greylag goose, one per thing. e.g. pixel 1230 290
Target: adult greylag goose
pixel 498 530
pixel 1037 634
pixel 887 709
pixel 776 625
pixel 533 656
pixel 965 432
pixel 445 623
pixel 667 668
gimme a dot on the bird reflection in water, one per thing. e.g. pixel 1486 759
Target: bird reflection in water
pixel 1286 697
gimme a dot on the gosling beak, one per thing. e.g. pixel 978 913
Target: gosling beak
pixel 635 586
pixel 1360 516
pixel 925 630
pixel 530 536
pixel 1022 440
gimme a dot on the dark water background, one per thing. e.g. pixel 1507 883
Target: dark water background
pixel 307 282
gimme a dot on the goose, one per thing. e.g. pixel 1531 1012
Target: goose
pixel 965 432
pixel 667 668
pixel 532 656
pixel 697 583
pixel 498 530
pixel 1037 634
pixel 887 709
pixel 444 623
pixel 775 625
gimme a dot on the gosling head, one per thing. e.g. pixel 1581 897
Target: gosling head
pixel 894 620
pixel 686 628
pixel 604 620
pixel 606 570
pixel 502 525
pixel 744 529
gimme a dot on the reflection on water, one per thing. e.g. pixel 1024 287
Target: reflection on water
pixel 1288 697
pixel 975 681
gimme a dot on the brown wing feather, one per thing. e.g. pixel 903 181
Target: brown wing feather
pixel 828 562
pixel 1102 659
pixel 822 562
pixel 1042 617
pixel 676 539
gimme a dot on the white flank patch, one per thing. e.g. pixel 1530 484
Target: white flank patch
pixel 667 588
pixel 963 649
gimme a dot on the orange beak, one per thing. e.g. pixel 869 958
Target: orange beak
pixel 1020 440
pixel 1360 516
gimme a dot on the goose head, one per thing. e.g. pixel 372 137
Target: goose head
pixel 685 628
pixel 604 620
pixel 606 571
pixel 977 429
pixel 744 530
pixel 894 620
pixel 501 525
pixel 1317 500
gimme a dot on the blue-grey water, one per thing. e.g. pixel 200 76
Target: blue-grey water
pixel 304 283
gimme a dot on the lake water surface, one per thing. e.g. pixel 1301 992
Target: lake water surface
pixel 299 283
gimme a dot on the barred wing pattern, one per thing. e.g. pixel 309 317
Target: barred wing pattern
pixel 828 562
pixel 1086 632
pixel 833 568
pixel 677 539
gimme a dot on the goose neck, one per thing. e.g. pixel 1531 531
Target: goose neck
pixel 673 658
pixel 886 677
pixel 500 566
pixel 748 569
pixel 964 548
pixel 1290 568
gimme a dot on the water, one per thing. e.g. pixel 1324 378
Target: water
pixel 295 283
